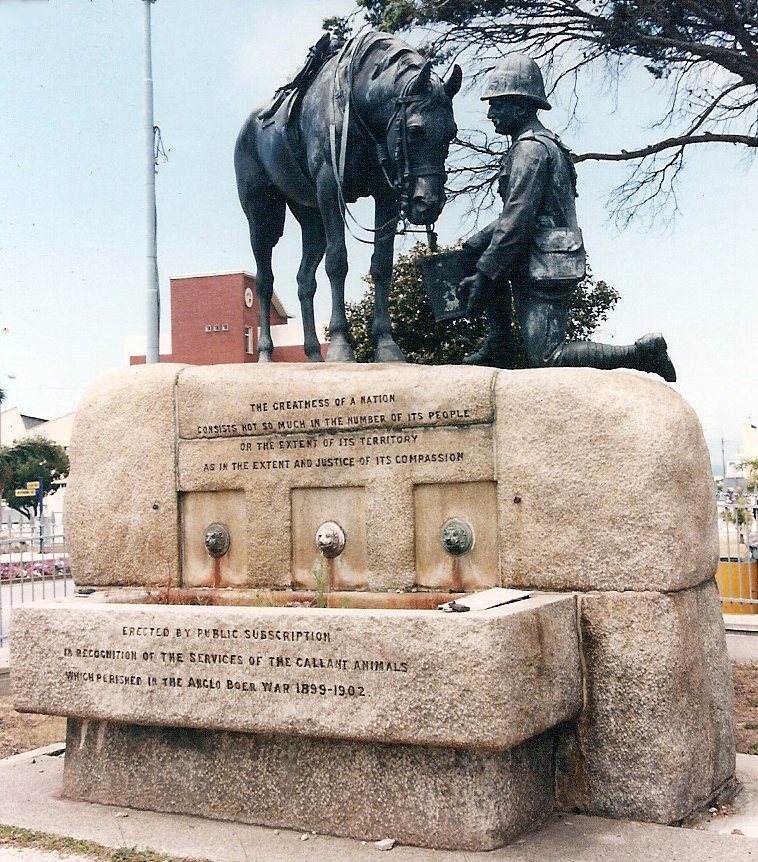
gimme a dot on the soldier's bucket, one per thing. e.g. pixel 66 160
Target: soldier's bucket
pixel 442 274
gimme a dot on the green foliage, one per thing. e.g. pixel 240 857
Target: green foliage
pixel 338 27
pixel 590 306
pixel 6 472
pixel 427 342
pixel 15 837
pixel 419 336
pixel 321 578
pixel 30 460
pixel 739 514
pixel 663 32
pixel 751 466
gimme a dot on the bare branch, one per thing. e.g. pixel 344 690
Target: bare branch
pixel 702 54
pixel 667 144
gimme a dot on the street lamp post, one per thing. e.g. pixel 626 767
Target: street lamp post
pixel 153 300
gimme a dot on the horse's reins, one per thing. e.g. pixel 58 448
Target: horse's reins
pixel 401 183
pixel 404 181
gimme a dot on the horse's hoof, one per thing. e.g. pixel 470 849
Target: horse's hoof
pixel 314 355
pixel 340 353
pixel 264 356
pixel 388 352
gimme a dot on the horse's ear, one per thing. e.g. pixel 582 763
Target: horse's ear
pixel 454 81
pixel 423 80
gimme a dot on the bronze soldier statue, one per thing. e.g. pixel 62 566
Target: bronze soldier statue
pixel 533 254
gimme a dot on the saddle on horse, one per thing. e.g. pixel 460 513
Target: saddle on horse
pixel 279 146
pixel 318 54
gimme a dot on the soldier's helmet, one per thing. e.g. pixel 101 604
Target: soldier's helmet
pixel 517 75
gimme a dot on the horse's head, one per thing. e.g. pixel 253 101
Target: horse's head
pixel 419 137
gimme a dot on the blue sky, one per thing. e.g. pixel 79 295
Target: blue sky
pixel 72 189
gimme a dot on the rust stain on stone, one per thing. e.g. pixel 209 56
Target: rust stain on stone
pixel 333 580
pixel 456 577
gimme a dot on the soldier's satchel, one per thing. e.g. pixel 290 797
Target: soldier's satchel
pixel 557 254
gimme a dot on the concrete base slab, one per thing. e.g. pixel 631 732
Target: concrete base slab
pixel 743 816
pixel 35 803
pixel 421 795
pixel 742 646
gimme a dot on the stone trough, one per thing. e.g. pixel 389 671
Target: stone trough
pixel 211 509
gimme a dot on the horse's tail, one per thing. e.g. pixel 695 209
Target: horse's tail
pixel 246 151
pixel 260 198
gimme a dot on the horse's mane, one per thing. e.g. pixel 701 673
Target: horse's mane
pixel 386 53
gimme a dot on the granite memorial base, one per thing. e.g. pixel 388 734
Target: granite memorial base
pixel 286 716
pixel 438 797
pixel 264 548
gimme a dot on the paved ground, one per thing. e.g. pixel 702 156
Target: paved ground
pixel 742 636
pixel 31 799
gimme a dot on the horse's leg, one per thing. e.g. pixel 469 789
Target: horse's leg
pixel 265 209
pixel 314 246
pixel 385 223
pixel 336 268
pixel 266 219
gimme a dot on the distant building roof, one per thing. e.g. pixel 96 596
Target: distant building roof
pixel 15 426
pixel 31 421
pixel 275 301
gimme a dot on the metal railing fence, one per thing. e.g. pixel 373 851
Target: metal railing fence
pixel 33 565
pixel 737 574
pixel 34 561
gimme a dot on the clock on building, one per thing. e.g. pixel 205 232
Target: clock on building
pixel 249 297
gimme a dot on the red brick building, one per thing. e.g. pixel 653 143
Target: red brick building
pixel 215 320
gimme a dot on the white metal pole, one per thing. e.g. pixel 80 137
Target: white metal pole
pixel 153 299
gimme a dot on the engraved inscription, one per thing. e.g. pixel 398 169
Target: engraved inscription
pixel 342 412
pixel 423 454
pixel 260 661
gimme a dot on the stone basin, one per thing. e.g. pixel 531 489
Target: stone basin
pixel 441 723
pixel 479 680
pixel 341 599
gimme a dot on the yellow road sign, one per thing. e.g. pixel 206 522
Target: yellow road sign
pixel 32 486
pixel 25 492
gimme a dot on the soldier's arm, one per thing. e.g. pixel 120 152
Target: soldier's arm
pixel 479 242
pixel 512 231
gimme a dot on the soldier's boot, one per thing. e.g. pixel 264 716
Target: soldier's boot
pixel 497 350
pixel 649 353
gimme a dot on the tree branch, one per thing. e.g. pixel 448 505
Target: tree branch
pixel 702 53
pixel 667 144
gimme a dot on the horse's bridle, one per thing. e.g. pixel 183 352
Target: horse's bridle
pixel 398 172
pixel 404 174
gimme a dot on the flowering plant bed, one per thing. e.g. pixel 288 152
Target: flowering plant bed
pixel 34 569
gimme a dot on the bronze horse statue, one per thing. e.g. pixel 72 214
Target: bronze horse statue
pixel 374 120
